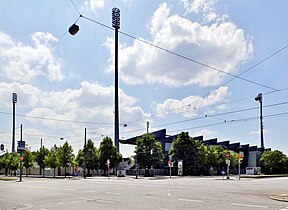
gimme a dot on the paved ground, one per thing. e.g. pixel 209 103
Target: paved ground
pixel 159 193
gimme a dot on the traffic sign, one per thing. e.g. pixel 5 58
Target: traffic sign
pixel 21 158
pixel 227 155
pixel 169 163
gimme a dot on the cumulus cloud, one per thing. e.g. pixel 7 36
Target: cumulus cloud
pixel 205 8
pixel 205 132
pixel 94 4
pixel 90 103
pixel 27 94
pixel 221 45
pixel 258 132
pixel 24 62
pixel 188 106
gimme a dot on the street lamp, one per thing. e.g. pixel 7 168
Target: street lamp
pixel 14 101
pixel 260 99
pixel 116 25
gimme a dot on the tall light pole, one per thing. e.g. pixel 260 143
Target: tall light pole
pixel 14 101
pixel 84 173
pixel 260 99
pixel 116 26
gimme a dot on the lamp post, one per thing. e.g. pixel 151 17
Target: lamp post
pixel 116 25
pixel 14 101
pixel 260 99
pixel 84 173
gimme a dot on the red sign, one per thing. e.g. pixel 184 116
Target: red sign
pixel 227 155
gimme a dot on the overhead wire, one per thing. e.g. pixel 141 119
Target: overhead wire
pixel 232 121
pixel 213 115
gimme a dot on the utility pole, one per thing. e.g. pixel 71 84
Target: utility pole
pixel 260 99
pixel 147 125
pixel 14 101
pixel 40 171
pixel 84 154
pixel 21 157
pixel 116 25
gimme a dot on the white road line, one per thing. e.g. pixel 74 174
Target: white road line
pixel 103 201
pixel 28 206
pixel 253 196
pixel 190 200
pixel 169 195
pixel 249 205
pixel 164 209
pixel 90 191
pixel 73 202
pixel 113 193
pixel 69 189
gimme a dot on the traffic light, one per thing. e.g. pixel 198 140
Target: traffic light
pixel 2 147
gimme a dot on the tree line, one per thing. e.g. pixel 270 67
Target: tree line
pixel 64 157
pixel 197 157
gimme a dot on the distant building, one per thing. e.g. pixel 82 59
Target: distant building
pixel 251 153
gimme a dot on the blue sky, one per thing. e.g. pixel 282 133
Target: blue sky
pixel 63 80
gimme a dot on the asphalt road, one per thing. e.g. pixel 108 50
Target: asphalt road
pixel 145 193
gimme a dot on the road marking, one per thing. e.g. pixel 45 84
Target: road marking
pixel 28 206
pixel 69 189
pixel 169 195
pixel 249 205
pixel 51 194
pixel 164 209
pixel 190 200
pixel 113 193
pixel 103 201
pixel 73 202
pixel 90 191
pixel 253 196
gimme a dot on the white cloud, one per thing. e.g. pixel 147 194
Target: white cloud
pixel 27 95
pixel 21 62
pixel 94 4
pixel 258 132
pixel 205 132
pixel 220 45
pixel 186 105
pixel 205 8
pixel 90 103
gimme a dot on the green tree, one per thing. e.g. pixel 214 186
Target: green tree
pixel 91 156
pixel 108 151
pixel 274 162
pixel 10 162
pixel 40 158
pixel 66 156
pixel 148 151
pixel 215 156
pixel 80 158
pixel 52 159
pixel 189 150
pixel 28 160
